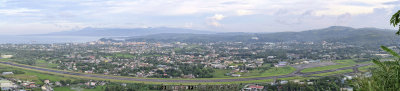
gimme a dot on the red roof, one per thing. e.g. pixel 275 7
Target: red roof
pixel 258 87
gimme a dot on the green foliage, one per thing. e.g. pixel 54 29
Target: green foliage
pixel 390 51
pixel 395 20
pixel 123 56
pixel 198 70
pixel 386 77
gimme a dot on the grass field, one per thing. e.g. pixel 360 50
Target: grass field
pixel 347 61
pixel 341 64
pixel 235 64
pixel 334 73
pixel 33 76
pixel 366 68
pixel 43 63
pixel 322 68
pixel 58 76
pixel 63 89
pixel 220 73
pixel 278 71
pixel 120 55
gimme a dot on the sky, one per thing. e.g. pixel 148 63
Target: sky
pixel 44 16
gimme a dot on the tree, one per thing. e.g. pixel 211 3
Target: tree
pixel 386 77
pixel 395 20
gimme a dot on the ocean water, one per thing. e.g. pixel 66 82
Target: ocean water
pixel 5 39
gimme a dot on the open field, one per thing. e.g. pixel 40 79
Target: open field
pixel 169 81
pixel 204 81
pixel 339 64
pixel 278 71
pixel 347 61
pixel 366 68
pixel 220 73
pixel 330 67
pixel 334 73
pixel 42 63
pixel 32 75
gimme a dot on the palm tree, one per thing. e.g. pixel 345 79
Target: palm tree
pixel 386 77
pixel 395 20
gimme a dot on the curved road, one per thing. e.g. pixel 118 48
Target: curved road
pixel 294 74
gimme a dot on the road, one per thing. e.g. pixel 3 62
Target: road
pixel 294 74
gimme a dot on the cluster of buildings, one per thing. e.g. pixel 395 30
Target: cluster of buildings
pixel 7 85
pixel 115 58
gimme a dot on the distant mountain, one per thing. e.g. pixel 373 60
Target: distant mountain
pixel 118 32
pixel 358 36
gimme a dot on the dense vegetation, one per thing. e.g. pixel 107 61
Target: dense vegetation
pixel 386 77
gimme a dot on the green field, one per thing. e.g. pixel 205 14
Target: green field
pixel 120 55
pixel 278 71
pixel 347 61
pixel 33 76
pixel 341 64
pixel 43 63
pixel 234 64
pixel 38 75
pixel 334 73
pixel 220 73
pixel 366 68
pixel 322 68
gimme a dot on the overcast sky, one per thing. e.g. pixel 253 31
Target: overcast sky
pixel 43 16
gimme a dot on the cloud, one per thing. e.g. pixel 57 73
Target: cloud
pixel 18 11
pixel 214 20
pixel 244 12
pixel 3 3
pixel 261 14
pixel 217 17
pixel 215 23
pixel 234 7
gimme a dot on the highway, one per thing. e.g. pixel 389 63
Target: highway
pixel 294 74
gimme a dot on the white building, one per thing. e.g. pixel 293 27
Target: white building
pixel 7 85
pixel 236 75
pixel 6 56
pixel 7 73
